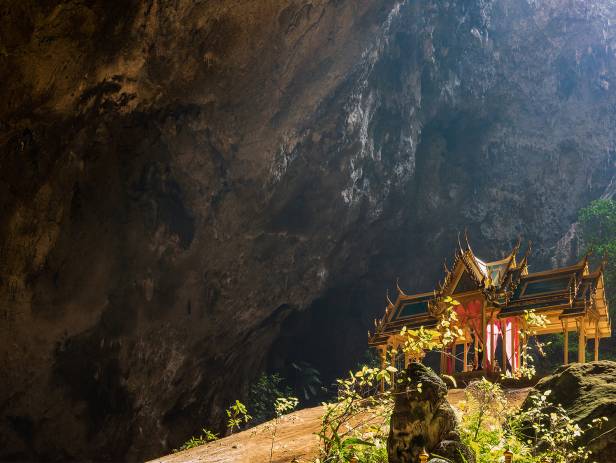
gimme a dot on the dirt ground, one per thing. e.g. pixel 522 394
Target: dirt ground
pixel 295 440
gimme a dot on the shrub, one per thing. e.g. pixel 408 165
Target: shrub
pixel 237 414
pixel 549 431
pixel 202 439
pixel 542 432
pixel 263 394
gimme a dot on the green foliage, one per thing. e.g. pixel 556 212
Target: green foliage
pixel 543 432
pixel 598 223
pixel 282 406
pixel 598 231
pixel 300 379
pixel 484 414
pixel 528 334
pixel 202 439
pixel 488 402
pixel 355 426
pixel 236 415
pixel 549 432
pixel 307 379
pixel 263 394
pixel 374 452
pixel 285 405
pixel 371 359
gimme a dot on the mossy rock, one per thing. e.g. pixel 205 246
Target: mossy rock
pixel 587 391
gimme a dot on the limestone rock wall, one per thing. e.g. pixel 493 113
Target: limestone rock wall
pixel 189 191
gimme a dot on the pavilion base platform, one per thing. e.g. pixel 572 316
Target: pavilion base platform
pixel 464 378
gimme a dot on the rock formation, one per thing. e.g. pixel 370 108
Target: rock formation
pixel 587 391
pixel 190 190
pixel 423 418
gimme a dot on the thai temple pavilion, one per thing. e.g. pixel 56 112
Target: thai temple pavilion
pixel 493 298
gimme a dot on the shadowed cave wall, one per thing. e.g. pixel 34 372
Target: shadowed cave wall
pixel 193 192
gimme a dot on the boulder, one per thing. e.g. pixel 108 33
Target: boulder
pixel 424 419
pixel 587 391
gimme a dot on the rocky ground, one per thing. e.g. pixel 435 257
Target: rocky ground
pixel 296 438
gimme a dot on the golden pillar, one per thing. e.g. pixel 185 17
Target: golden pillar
pixel 566 341
pixel 596 340
pixel 518 351
pixel 484 331
pixel 383 352
pixel 465 364
pixel 524 343
pixel 476 351
pixel 581 342
pixel 503 348
pixel 493 339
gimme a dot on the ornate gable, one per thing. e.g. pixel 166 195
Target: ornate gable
pixel 465 283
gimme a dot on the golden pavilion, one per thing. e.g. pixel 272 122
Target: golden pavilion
pixel 494 297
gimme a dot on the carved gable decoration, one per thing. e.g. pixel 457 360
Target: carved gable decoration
pixel 465 283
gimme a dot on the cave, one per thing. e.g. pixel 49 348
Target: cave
pixel 194 194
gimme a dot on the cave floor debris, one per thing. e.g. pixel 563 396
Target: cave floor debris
pixel 296 438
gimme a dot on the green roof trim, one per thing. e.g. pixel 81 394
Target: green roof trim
pixel 554 285
pixel 558 302
pixel 413 308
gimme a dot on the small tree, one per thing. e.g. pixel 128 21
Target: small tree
pixel 282 406
pixel 263 395
pixel 598 232
pixel 488 401
pixel 237 414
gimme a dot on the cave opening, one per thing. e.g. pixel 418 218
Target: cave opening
pixel 331 334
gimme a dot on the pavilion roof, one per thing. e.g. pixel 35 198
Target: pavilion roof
pixel 508 286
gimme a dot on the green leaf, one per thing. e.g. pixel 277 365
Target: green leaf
pixel 355 441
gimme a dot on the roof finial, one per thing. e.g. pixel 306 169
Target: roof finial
pixel 400 292
pixel 603 264
pixel 589 253
pixel 514 252
pixel 516 248
pixel 468 245
pixel 528 249
pixel 460 250
pixel 387 297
